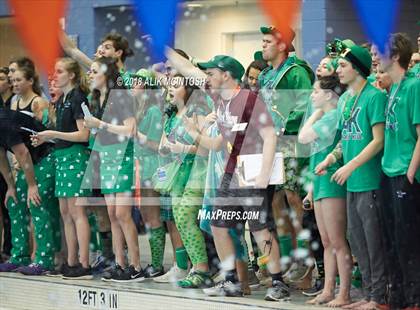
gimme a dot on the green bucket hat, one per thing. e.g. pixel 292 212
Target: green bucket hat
pixel 360 58
pixel 226 64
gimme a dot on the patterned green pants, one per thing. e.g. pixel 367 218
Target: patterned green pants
pixel 186 210
pixel 41 217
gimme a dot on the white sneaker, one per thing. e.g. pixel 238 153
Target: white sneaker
pixel 224 288
pixel 172 276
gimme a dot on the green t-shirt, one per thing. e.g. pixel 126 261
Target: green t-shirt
pixel 402 116
pixel 151 126
pixel 322 146
pixel 415 71
pixel 357 133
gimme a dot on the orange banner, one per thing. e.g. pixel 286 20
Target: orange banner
pixel 282 14
pixel 37 23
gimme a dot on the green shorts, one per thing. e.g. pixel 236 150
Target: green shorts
pixel 117 168
pixel 70 167
pixel 324 188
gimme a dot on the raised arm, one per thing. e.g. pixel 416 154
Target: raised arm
pixel 72 51
pixel 184 66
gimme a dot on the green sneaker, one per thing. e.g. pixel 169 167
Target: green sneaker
pixel 196 279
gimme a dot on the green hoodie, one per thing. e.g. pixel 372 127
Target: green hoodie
pixel 287 108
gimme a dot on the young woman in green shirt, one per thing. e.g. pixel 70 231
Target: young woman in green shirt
pixel 149 119
pixel 329 197
pixel 112 107
pixel 188 189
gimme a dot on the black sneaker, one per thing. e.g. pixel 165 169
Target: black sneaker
pixel 58 272
pixel 316 289
pixel 152 272
pixel 278 292
pixel 116 271
pixel 130 274
pixel 78 273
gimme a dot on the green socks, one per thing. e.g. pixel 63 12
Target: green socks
pixel 181 257
pixel 157 245
pixel 285 245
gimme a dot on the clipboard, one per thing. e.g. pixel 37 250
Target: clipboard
pixel 249 167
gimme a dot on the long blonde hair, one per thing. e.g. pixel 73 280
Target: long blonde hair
pixel 80 79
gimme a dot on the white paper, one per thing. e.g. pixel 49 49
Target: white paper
pixel 249 167
pixel 239 127
pixel 87 113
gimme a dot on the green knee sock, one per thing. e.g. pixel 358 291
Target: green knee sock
pixel 181 257
pixel 157 245
pixel 302 243
pixel 302 248
pixel 285 244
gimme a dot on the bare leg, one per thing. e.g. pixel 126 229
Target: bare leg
pixel 150 211
pixel 224 247
pixel 80 220
pixel 242 268
pixel 117 234
pixel 281 215
pixel 295 203
pixel 123 215
pixel 262 236
pixel 69 233
pixel 334 213
pixel 175 237
pixel 330 261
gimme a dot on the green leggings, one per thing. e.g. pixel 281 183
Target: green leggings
pixel 41 217
pixel 185 211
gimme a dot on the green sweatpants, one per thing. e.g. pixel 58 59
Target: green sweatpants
pixel 41 217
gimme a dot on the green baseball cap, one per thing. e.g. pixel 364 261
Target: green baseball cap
pixel 273 30
pixel 226 64
pixel 360 58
